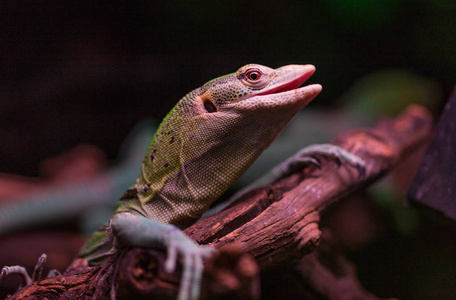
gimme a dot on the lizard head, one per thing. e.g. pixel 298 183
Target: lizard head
pixel 255 86
pixel 250 106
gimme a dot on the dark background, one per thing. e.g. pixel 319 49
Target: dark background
pixel 87 71
pixel 76 72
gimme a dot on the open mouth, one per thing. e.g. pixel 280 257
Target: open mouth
pixel 286 90
pixel 297 76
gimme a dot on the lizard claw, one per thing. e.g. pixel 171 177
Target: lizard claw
pixel 193 255
pixel 338 158
pixel 308 160
pixel 36 275
pixel 338 154
pixel 361 170
pixel 26 279
pixel 20 270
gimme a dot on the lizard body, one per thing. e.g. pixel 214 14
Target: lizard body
pixel 202 146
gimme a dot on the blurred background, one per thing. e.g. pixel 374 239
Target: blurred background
pixel 85 72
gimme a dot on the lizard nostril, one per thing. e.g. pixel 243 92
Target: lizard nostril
pixel 209 106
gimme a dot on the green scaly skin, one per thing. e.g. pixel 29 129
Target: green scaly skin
pixel 203 145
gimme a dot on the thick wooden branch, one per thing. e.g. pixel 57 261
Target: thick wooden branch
pixel 274 224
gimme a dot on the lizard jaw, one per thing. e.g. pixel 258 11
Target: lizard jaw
pixel 287 89
pixel 287 92
pixel 293 77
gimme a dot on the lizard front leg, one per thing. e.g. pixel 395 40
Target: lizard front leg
pixel 308 156
pixel 304 157
pixel 135 230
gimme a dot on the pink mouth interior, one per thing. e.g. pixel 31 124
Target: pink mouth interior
pixel 288 86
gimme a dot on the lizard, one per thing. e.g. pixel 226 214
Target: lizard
pixel 203 145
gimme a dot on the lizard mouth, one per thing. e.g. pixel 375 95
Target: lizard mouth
pixel 284 90
pixel 297 76
pixel 288 90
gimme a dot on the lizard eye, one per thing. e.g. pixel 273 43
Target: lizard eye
pixel 253 75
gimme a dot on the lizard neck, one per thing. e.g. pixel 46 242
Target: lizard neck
pixel 191 161
pixel 180 175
